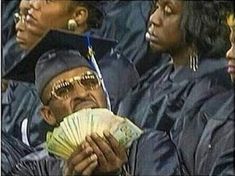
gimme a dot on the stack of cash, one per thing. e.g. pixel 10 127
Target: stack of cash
pixel 66 138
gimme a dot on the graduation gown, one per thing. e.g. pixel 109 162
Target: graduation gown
pixel 120 24
pixel 20 113
pixel 12 150
pixel 8 26
pixel 45 167
pixel 119 76
pixel 157 100
pixel 204 136
pixel 152 154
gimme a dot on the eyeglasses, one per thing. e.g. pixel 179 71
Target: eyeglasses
pixel 64 89
pixel 19 17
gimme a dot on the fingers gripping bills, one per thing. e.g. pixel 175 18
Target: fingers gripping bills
pixel 71 133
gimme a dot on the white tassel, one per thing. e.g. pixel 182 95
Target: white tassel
pixel 93 60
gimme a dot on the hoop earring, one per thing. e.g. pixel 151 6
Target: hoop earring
pixel 193 61
pixel 72 25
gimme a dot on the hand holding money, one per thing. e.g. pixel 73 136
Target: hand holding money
pixel 73 130
pixel 111 154
pixel 99 156
pixel 81 162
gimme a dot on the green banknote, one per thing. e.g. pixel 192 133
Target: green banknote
pixel 126 132
pixel 66 138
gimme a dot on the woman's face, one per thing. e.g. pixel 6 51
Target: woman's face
pixel 46 14
pixel 164 34
pixel 231 54
pixel 23 37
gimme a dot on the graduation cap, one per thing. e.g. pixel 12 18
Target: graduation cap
pixel 56 52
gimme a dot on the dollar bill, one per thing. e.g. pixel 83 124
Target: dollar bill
pixel 65 139
pixel 68 130
pixel 57 138
pixel 126 132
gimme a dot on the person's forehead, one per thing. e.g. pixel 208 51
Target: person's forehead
pixel 24 4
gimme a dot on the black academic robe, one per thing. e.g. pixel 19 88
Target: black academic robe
pixel 119 77
pixel 157 100
pixel 204 136
pixel 45 167
pixel 8 9
pixel 12 150
pixel 152 154
pixel 20 115
pixel 120 24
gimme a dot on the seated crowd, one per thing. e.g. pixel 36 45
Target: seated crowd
pixel 166 65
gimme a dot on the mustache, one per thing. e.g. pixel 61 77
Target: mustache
pixel 79 100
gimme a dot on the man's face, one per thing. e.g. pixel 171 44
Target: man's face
pixel 72 91
pixel 231 54
pixel 44 15
pixel 164 32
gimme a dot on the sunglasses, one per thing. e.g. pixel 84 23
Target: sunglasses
pixel 64 89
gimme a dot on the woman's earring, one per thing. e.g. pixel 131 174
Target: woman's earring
pixel 72 25
pixel 193 61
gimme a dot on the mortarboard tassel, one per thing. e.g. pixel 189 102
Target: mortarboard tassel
pixel 91 57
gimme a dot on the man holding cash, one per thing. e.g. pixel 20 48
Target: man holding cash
pixel 70 84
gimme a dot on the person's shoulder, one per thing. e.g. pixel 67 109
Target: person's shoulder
pixel 155 75
pixel 148 152
pixel 12 150
pixel 23 88
pixel 116 64
pixel 153 138
pixel 116 58
pixel 215 70
pixel 221 106
pixel 209 83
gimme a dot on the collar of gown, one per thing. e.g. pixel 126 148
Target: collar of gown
pixel 206 66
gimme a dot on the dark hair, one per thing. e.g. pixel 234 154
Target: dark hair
pixel 230 9
pixel 203 25
pixel 95 14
